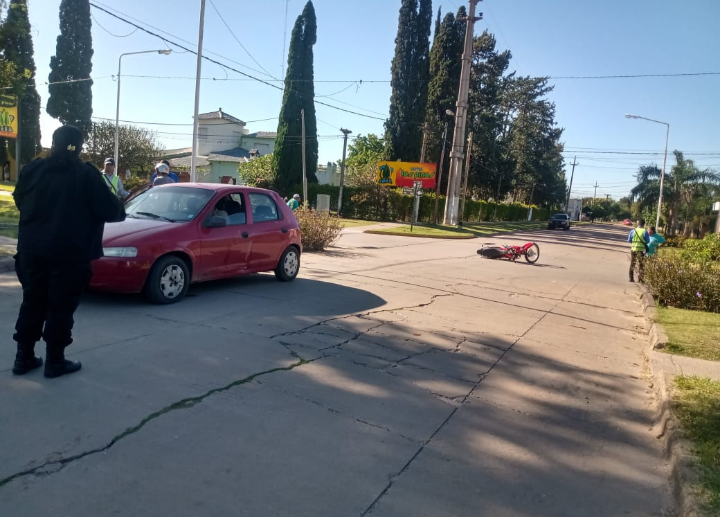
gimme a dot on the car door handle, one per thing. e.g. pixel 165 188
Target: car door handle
pixel 284 230
pixel 245 235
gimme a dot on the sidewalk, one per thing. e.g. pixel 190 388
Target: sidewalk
pixel 8 248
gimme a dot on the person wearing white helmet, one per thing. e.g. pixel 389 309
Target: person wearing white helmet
pixel 294 203
pixel 163 175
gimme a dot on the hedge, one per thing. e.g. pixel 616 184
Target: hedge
pixel 389 204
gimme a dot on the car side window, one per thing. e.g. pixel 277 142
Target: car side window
pixel 232 209
pixel 263 208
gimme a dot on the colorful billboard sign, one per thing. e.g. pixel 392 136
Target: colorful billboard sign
pixel 8 116
pixel 404 174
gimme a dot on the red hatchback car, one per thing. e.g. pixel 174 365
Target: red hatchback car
pixel 192 232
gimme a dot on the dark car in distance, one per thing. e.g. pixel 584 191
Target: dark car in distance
pixel 559 221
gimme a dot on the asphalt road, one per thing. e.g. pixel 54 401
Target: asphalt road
pixel 395 377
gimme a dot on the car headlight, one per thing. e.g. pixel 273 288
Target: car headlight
pixel 120 252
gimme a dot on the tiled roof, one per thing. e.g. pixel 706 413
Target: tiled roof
pixel 263 134
pixel 220 115
pixel 238 155
pixel 185 162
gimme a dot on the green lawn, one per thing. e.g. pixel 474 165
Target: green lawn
pixel 350 223
pixel 6 185
pixel 8 211
pixel 691 333
pixel 468 231
pixel 696 402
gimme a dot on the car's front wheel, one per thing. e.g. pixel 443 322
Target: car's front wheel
pixel 168 281
pixel 289 265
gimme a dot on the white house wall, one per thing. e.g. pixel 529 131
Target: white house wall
pixel 218 135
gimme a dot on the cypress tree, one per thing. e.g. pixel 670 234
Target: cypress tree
pixel 445 68
pixel 17 48
pixel 71 103
pixel 410 73
pixel 299 94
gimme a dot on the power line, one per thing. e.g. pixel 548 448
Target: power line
pixel 111 33
pixel 229 67
pixel 632 76
pixel 239 43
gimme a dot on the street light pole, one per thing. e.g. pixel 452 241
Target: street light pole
pixel 438 174
pixel 198 71
pixel 164 52
pixel 662 175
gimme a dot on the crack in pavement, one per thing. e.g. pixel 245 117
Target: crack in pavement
pixel 55 466
pixel 426 443
pixel 338 412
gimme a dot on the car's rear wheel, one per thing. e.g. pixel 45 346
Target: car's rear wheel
pixel 289 265
pixel 168 281
pixel 532 254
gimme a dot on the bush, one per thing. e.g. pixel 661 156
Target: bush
pixel 700 251
pixel 678 282
pixel 677 241
pixel 319 229
pixel 134 182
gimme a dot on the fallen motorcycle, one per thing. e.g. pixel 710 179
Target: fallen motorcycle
pixel 529 250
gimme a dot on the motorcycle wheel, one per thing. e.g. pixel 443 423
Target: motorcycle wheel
pixel 532 254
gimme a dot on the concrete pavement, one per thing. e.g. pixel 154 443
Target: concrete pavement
pixel 395 377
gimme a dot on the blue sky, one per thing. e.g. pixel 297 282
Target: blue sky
pixel 556 38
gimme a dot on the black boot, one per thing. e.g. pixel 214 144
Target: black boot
pixel 56 365
pixel 25 359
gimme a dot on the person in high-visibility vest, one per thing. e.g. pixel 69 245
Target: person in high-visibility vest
pixel 638 239
pixel 113 181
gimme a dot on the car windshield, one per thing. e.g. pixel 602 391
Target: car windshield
pixel 561 216
pixel 178 204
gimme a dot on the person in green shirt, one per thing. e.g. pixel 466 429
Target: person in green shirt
pixel 656 240
pixel 294 203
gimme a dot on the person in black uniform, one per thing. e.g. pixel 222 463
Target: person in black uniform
pixel 64 204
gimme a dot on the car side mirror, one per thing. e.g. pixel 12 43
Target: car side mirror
pixel 215 222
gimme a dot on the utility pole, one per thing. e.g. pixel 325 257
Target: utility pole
pixel 572 175
pixel 305 199
pixel 465 182
pixel 424 144
pixel 532 192
pixel 595 194
pixel 456 154
pixel 607 197
pixel 345 132
pixel 438 174
pixel 196 120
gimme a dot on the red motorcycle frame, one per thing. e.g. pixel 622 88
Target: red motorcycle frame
pixel 530 250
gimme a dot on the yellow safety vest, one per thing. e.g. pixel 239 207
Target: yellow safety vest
pixel 112 182
pixel 638 240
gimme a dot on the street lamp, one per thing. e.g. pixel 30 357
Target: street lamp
pixel 662 175
pixel 164 52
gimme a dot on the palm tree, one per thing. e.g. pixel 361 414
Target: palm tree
pixel 683 184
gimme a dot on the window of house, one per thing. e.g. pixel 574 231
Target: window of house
pixel 263 208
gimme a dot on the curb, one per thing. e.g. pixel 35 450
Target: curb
pixel 450 237
pixel 678 451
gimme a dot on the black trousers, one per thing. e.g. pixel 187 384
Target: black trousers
pixel 52 290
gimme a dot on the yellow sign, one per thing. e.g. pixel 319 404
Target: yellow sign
pixel 8 116
pixel 404 174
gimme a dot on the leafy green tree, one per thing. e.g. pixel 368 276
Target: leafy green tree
pixel 410 74
pixel 17 50
pixel 71 102
pixel 684 184
pixel 299 94
pixel 139 148
pixel 364 150
pixel 258 172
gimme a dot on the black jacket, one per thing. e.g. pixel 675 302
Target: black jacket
pixel 63 210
